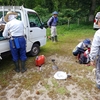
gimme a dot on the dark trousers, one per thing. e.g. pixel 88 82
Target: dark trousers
pixel 18 53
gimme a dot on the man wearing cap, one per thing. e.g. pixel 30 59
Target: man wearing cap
pixel 15 29
pixel 52 23
pixel 95 52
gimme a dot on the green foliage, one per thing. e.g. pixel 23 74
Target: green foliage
pixel 66 8
pixel 68 12
pixel 43 13
pixel 62 20
pixel 64 16
pixel 97 10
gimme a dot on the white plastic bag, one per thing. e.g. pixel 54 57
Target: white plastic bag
pixel 60 75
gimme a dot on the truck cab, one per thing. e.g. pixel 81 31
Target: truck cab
pixel 35 32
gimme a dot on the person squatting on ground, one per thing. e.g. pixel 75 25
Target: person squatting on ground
pixel 82 50
pixel 14 29
pixel 95 52
pixel 52 23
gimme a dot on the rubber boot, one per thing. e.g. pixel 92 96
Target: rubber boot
pixel 52 38
pixel 23 68
pixel 56 40
pixel 17 68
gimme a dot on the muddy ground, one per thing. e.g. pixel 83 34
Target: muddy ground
pixel 41 85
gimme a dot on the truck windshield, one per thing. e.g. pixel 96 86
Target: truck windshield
pixel 34 20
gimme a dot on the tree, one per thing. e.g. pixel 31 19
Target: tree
pixel 85 8
pixel 92 10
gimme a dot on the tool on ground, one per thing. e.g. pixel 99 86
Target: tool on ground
pixel 54 66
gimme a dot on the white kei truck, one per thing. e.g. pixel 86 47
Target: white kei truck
pixel 34 30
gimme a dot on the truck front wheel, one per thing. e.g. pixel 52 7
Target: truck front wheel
pixel 35 50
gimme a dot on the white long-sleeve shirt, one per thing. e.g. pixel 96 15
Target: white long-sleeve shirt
pixel 14 27
pixel 95 47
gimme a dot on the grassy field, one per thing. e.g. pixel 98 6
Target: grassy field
pixel 68 38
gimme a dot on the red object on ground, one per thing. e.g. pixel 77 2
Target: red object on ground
pixel 40 60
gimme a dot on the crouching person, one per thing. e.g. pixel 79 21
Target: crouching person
pixel 17 41
pixel 79 50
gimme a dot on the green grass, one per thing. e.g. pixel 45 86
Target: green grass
pixel 68 38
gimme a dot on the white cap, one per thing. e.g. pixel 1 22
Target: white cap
pixel 98 15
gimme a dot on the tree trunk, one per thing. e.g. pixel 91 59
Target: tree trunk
pixel 92 10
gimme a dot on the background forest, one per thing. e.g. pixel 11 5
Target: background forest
pixel 73 10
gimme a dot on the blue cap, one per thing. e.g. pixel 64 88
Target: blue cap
pixel 87 42
pixel 55 13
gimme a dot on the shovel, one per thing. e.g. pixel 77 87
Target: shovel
pixel 54 66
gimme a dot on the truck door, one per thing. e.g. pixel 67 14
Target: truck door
pixel 36 30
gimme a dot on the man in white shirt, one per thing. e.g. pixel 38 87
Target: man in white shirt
pixel 15 29
pixel 95 52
